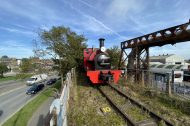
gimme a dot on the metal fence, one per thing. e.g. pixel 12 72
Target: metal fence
pixel 181 89
pixel 59 106
pixel 163 80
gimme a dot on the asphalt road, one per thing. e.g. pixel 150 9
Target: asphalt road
pixel 12 101
pixel 10 85
pixel 13 97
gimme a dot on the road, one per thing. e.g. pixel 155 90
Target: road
pixel 12 101
pixel 13 97
pixel 10 85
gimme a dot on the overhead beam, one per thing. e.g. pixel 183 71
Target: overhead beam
pixel 172 35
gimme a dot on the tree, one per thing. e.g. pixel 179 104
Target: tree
pixel 5 60
pixel 114 53
pixel 4 57
pixel 3 69
pixel 65 45
pixel 26 65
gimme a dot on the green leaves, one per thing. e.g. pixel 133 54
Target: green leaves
pixel 66 44
pixel 26 65
pixel 114 53
pixel 3 69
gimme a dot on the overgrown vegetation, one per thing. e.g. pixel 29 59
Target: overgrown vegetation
pixel 26 65
pixel 134 112
pixel 175 103
pixel 22 76
pixel 22 117
pixel 114 54
pixel 174 109
pixel 85 106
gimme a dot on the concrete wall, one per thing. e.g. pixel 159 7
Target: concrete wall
pixel 174 59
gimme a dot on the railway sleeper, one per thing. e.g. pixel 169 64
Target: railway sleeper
pixel 127 105
pixel 147 122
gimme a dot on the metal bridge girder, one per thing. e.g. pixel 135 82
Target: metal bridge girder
pixel 141 45
pixel 171 35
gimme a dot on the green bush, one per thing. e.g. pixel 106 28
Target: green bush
pixel 23 76
pixel 57 85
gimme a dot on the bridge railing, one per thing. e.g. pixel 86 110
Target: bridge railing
pixel 59 106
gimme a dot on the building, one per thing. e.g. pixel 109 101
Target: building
pixel 19 62
pixel 170 59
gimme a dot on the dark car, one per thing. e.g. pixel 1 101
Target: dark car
pixel 35 88
pixel 51 81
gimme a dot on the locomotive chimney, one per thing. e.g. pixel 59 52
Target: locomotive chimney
pixel 101 40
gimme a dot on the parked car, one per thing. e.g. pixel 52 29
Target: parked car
pixel 51 81
pixel 36 79
pixel 35 88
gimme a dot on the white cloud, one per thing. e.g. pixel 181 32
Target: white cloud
pixel 181 49
pixel 119 10
pixel 12 44
pixel 35 10
pixel 21 53
pixel 92 24
pixel 16 30
pixel 14 49
pixel 87 4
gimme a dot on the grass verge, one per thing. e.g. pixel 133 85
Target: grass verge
pixel 22 117
pixel 17 77
pixel 7 78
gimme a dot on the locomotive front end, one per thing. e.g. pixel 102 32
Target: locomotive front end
pixel 98 66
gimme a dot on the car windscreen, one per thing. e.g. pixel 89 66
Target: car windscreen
pixel 31 79
pixel 33 87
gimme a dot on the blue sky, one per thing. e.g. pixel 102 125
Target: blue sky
pixel 115 20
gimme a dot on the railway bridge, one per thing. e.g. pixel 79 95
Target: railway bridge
pixel 138 58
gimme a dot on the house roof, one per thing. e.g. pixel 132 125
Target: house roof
pixel 164 68
pixel 161 56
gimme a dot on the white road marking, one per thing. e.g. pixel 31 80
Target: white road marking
pixel 12 90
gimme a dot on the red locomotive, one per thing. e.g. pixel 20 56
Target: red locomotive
pixel 98 67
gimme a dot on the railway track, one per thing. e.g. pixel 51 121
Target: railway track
pixel 132 111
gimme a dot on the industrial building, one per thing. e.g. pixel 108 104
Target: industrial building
pixel 170 59
pixel 173 64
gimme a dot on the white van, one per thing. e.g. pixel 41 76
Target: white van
pixel 36 79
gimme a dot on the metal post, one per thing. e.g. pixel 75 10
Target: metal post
pixel 148 64
pixel 168 85
pixel 120 59
pixel 136 67
pixel 142 77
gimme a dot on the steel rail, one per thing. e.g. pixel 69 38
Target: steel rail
pixel 151 113
pixel 119 109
